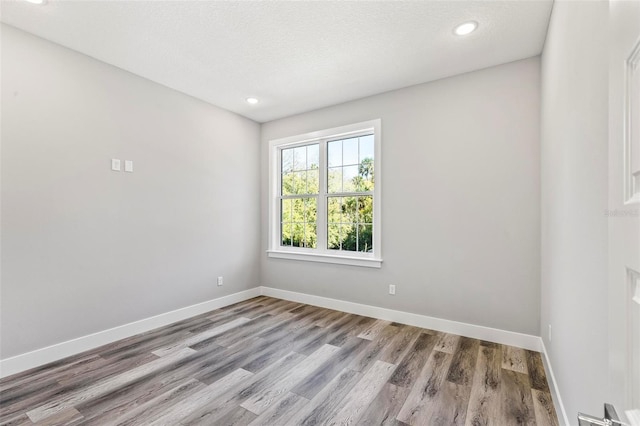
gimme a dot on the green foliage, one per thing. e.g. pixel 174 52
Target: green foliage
pixel 350 223
pixel 350 219
pixel 299 222
pixel 301 182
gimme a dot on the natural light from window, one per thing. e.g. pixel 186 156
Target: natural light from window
pixel 325 196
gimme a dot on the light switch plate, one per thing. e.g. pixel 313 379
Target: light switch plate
pixel 128 166
pixel 115 164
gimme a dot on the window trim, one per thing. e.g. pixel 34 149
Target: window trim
pixel 321 253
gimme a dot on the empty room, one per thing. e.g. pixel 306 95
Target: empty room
pixel 320 212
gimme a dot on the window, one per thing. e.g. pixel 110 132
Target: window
pixel 325 196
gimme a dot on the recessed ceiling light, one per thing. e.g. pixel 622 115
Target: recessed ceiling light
pixel 252 101
pixel 36 1
pixel 466 28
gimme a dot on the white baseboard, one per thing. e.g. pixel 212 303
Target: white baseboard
pixel 58 351
pixel 504 337
pixel 553 385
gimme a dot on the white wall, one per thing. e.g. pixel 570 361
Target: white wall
pixel 461 209
pixel 85 249
pixel 574 135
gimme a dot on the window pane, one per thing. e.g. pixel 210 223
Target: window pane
pixel 365 238
pixel 297 210
pixel 310 235
pixel 349 237
pixel 333 241
pixel 350 151
pixel 349 224
pixel 349 178
pixel 313 156
pixel 311 210
pixel 365 175
pixel 342 226
pixel 349 209
pixel 334 153
pixel 285 211
pixel 300 158
pixel 313 181
pixel 365 209
pixel 286 234
pixel 334 180
pixel 334 209
pixel 288 183
pixel 366 147
pixel 299 222
pixel 287 160
pixel 298 234
pixel 300 182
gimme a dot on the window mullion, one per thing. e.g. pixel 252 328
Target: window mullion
pixel 322 198
pixel 276 240
pixel 353 194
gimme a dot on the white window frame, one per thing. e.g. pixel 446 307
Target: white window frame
pixel 322 253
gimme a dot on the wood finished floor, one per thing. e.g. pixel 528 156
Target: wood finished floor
pixel 272 362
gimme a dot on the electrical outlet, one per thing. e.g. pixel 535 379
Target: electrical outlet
pixel 549 332
pixel 219 281
pixel 392 289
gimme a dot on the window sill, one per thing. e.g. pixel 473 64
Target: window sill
pixel 368 262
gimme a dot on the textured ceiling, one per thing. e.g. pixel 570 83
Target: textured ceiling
pixel 293 56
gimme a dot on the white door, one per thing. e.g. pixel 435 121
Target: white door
pixel 624 208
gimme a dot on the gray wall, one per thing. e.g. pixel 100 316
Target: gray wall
pixel 84 248
pixel 461 209
pixel 574 137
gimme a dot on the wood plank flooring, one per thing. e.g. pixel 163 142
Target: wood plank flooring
pixel 272 362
